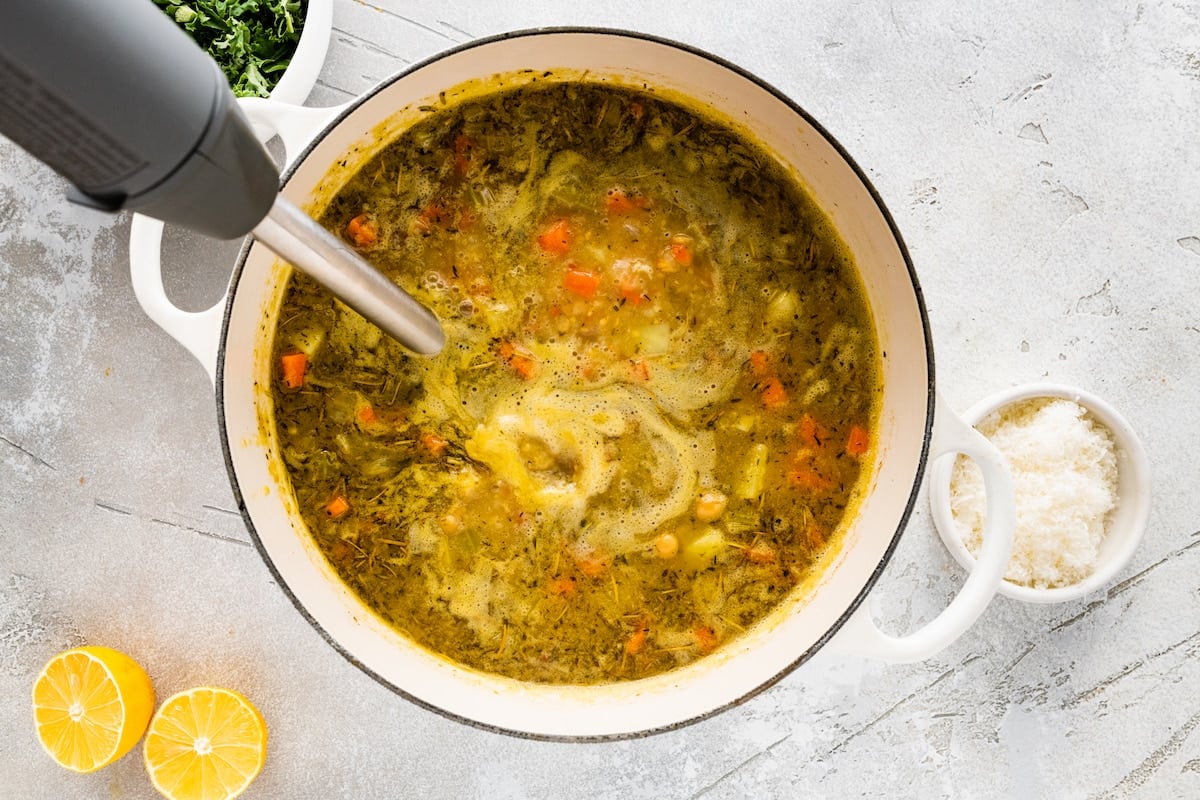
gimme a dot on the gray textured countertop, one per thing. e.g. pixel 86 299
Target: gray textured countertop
pixel 1044 168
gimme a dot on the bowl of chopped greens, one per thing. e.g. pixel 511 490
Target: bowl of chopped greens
pixel 266 48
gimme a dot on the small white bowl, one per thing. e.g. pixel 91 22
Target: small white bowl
pixel 1125 526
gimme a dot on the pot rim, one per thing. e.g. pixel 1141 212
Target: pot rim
pixel 902 522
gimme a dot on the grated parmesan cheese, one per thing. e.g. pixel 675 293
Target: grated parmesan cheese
pixel 1064 470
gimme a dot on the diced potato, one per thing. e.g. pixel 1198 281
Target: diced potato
pixel 309 341
pixel 654 340
pixel 708 545
pixel 782 307
pixel 745 423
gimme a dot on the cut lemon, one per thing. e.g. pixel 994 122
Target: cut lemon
pixel 90 707
pixel 205 744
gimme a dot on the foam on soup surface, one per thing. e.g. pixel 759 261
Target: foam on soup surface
pixel 655 404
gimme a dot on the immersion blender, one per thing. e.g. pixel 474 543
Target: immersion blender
pixel 122 103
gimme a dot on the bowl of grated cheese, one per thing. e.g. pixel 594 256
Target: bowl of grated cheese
pixel 1082 485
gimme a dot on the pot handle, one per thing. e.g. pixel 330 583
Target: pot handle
pixel 296 126
pixel 861 636
pixel 197 331
pixel 200 331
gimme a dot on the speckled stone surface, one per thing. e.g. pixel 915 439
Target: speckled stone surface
pixel 1043 164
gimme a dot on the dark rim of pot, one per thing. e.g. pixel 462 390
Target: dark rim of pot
pixel 901 524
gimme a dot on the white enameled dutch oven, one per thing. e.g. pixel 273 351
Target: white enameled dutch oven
pixel 233 341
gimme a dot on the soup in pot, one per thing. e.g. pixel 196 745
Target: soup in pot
pixel 654 411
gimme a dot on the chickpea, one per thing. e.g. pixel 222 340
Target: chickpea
pixel 451 522
pixel 666 545
pixel 710 505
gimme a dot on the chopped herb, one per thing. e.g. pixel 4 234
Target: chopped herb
pixel 251 40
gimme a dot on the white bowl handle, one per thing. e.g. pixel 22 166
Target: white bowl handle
pixel 862 637
pixel 200 331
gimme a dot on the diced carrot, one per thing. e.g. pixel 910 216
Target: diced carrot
pixel 362 231
pixel 814 536
pixel 556 238
pixel 631 290
pixel 637 111
pixel 341 550
pixel 858 441
pixel 588 369
pixel 293 366
pixel 336 507
pixel 581 283
pixel 618 201
pixel 636 642
pixel 772 392
pixel 760 364
pixel 591 564
pixel 432 216
pixel 367 415
pixel 769 386
pixel 463 145
pixel 522 364
pixel 808 478
pixel 681 250
pixel 641 370
pixel 761 554
pixel 706 638
pixel 432 443
pixel 564 587
pixel 812 433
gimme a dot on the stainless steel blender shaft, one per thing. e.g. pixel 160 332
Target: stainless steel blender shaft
pixel 297 238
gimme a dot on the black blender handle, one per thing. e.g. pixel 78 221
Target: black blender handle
pixel 122 103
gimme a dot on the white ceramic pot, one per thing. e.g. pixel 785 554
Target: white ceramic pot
pixel 233 342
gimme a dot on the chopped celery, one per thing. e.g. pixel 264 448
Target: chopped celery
pixel 754 471
pixel 345 444
pixel 342 404
pixel 741 520
pixel 708 594
pixel 816 391
pixel 352 330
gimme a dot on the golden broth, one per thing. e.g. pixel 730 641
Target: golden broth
pixel 653 410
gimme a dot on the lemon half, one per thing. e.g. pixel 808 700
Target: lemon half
pixel 90 707
pixel 205 744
